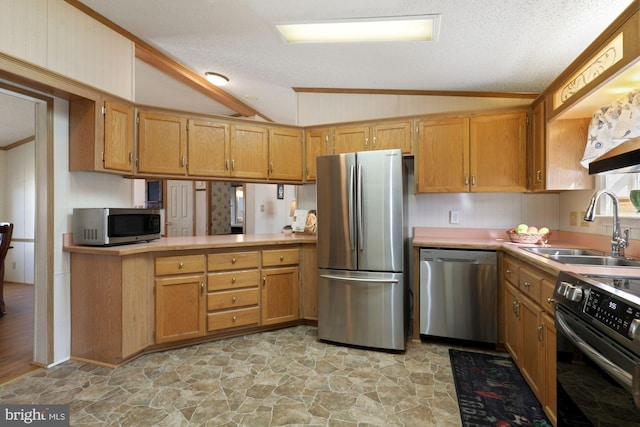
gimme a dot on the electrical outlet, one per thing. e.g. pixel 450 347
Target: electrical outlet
pixel 261 208
pixel 573 219
pixel 454 217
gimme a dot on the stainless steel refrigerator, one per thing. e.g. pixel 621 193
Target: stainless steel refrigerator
pixel 361 289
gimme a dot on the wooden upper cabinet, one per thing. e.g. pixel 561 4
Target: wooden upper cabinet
pixel 556 150
pixel 316 144
pixel 208 148
pixel 393 135
pixel 285 154
pixel 498 152
pixel 350 139
pixel 538 169
pixel 119 130
pixel 442 157
pixel 101 136
pixel 249 151
pixel 162 143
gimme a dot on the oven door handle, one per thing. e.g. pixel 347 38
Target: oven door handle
pixel 608 366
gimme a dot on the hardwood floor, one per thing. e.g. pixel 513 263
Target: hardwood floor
pixel 16 332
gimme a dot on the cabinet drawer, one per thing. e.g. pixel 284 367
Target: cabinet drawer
pixel 232 261
pixel 510 271
pixel 546 296
pixel 280 257
pixel 179 264
pixel 530 283
pixel 233 299
pixel 233 318
pixel 233 280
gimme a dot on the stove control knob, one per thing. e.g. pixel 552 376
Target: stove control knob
pixel 575 294
pixel 563 288
pixel 634 329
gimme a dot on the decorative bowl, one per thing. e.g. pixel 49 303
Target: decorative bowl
pixel 527 238
pixel 634 196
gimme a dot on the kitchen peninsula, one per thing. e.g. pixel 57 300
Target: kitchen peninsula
pixel 131 299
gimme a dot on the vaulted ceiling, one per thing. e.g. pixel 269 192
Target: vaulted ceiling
pixel 482 45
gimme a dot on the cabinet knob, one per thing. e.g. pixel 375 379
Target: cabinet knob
pixel 281 257
pixel 540 330
pixel 527 284
pixel 508 272
pixel 201 288
pixel 233 260
pixel 234 318
pixel 551 301
pixel 264 281
pixel 233 280
pixel 233 299
pixel 180 265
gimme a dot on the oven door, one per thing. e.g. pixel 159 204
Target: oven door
pixel 594 379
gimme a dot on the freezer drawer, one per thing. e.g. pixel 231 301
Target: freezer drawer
pixel 362 308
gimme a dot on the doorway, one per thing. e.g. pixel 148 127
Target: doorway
pixel 25 197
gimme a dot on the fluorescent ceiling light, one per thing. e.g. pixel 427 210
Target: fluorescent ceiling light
pixel 412 28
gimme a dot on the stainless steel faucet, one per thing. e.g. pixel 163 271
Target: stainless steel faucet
pixel 618 241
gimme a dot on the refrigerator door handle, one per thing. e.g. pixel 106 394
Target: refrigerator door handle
pixel 356 279
pixel 352 237
pixel 359 209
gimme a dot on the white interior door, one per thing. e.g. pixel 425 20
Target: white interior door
pixel 179 208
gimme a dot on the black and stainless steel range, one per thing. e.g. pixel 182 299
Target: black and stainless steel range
pixel 598 350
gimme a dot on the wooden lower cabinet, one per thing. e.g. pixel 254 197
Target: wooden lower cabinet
pixel 233 293
pixel 124 305
pixel 529 330
pixel 280 282
pixel 179 298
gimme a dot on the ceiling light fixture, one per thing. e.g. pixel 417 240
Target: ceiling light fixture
pixel 406 28
pixel 216 79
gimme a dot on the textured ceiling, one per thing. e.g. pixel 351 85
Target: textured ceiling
pixel 483 45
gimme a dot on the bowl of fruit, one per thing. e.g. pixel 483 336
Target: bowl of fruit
pixel 531 235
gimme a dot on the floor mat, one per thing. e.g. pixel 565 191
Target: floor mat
pixel 492 392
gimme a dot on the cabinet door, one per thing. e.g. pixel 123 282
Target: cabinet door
pixel 537 177
pixel 279 295
pixel 442 158
pixel 532 356
pixel 180 311
pixel 393 135
pixel 208 148
pixel 549 403
pixel 285 154
pixel 316 144
pixel 162 144
pixel 249 151
pixel 512 323
pixel 350 139
pixel 119 121
pixel 498 160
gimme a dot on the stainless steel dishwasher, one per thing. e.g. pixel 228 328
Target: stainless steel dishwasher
pixel 458 294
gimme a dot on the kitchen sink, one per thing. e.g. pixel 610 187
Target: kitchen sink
pixel 602 260
pixel 578 256
pixel 564 251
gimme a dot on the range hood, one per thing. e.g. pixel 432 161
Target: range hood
pixel 624 158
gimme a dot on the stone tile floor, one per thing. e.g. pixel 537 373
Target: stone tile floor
pixel 284 377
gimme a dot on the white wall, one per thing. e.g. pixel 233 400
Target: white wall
pixel 19 208
pixel 264 212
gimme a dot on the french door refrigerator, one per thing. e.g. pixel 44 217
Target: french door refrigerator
pixel 361 289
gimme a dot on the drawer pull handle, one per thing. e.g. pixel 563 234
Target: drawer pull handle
pixel 234 318
pixel 233 260
pixel 201 288
pixel 181 265
pixel 233 299
pixel 264 281
pixel 281 257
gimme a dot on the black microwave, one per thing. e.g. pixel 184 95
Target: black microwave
pixel 114 226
